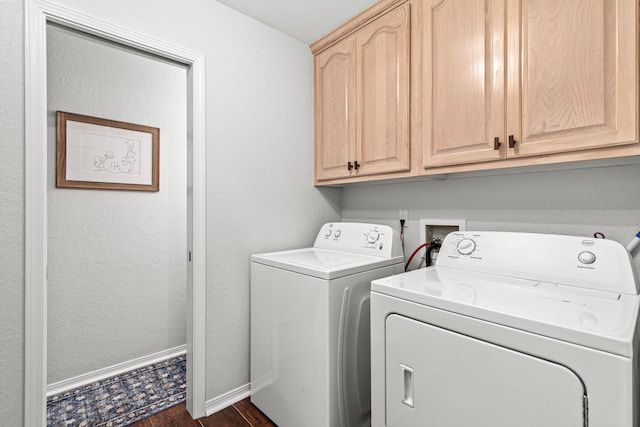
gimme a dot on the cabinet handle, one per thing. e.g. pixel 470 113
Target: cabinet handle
pixel 349 166
pixel 356 164
pixel 512 141
pixel 496 143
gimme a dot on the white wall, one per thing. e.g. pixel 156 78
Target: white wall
pixel 116 259
pixel 259 155
pixel 260 168
pixel 260 192
pixel 566 201
pixel 11 212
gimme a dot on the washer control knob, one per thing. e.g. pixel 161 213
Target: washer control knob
pixel 327 233
pixel 337 233
pixel 466 246
pixel 373 236
pixel 587 257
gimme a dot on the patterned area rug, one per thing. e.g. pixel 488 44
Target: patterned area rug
pixel 121 400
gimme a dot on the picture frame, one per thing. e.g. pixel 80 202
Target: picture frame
pixel 102 154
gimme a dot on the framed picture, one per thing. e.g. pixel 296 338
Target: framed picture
pixel 106 154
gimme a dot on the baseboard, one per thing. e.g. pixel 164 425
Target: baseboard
pixel 110 371
pixel 229 398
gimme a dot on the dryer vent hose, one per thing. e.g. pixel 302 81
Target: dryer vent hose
pixel 435 244
pixel 406 266
pixel 633 244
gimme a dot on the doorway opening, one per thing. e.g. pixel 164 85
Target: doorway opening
pixel 116 259
pixel 38 15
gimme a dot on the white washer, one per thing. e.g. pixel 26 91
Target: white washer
pixel 310 326
pixel 508 329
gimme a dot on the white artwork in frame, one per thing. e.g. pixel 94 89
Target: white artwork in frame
pixel 105 154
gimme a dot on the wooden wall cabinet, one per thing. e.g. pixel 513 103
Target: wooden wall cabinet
pixel 362 97
pixel 464 85
pixel 510 79
pixel 335 110
pixel 424 87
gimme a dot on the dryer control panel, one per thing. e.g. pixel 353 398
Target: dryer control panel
pixel 569 260
pixel 360 238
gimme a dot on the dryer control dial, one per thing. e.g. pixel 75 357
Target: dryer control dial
pixel 373 236
pixel 466 246
pixel 587 257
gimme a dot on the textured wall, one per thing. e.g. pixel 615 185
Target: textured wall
pixel 11 213
pixel 309 17
pixel 117 264
pixel 566 201
pixel 271 203
pixel 259 155
pixel 260 168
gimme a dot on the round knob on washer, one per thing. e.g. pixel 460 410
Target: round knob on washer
pixel 588 320
pixel 373 236
pixel 337 233
pixel 587 257
pixel 327 233
pixel 466 246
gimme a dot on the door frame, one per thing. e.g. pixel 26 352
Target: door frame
pixel 37 14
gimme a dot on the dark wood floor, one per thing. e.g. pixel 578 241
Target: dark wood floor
pixel 241 414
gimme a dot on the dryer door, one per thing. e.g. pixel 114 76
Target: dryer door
pixel 439 378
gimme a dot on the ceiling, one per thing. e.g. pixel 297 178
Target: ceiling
pixel 305 20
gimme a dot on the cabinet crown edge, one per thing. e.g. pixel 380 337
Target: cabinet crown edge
pixel 368 15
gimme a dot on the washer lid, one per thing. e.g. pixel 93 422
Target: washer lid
pixel 322 263
pixel 597 319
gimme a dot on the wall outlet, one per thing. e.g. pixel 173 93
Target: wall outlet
pixel 439 228
pixel 403 215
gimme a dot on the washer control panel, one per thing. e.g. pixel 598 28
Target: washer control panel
pixel 366 239
pixel 466 246
pixel 587 257
pixel 571 260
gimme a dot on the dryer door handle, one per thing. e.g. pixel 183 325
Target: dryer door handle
pixel 407 381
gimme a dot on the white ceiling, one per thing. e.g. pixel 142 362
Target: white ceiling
pixel 305 20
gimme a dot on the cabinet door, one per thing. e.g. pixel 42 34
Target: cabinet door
pixel 383 58
pixel 577 85
pixel 464 81
pixel 335 110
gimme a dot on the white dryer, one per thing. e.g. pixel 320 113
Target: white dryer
pixel 508 329
pixel 310 326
